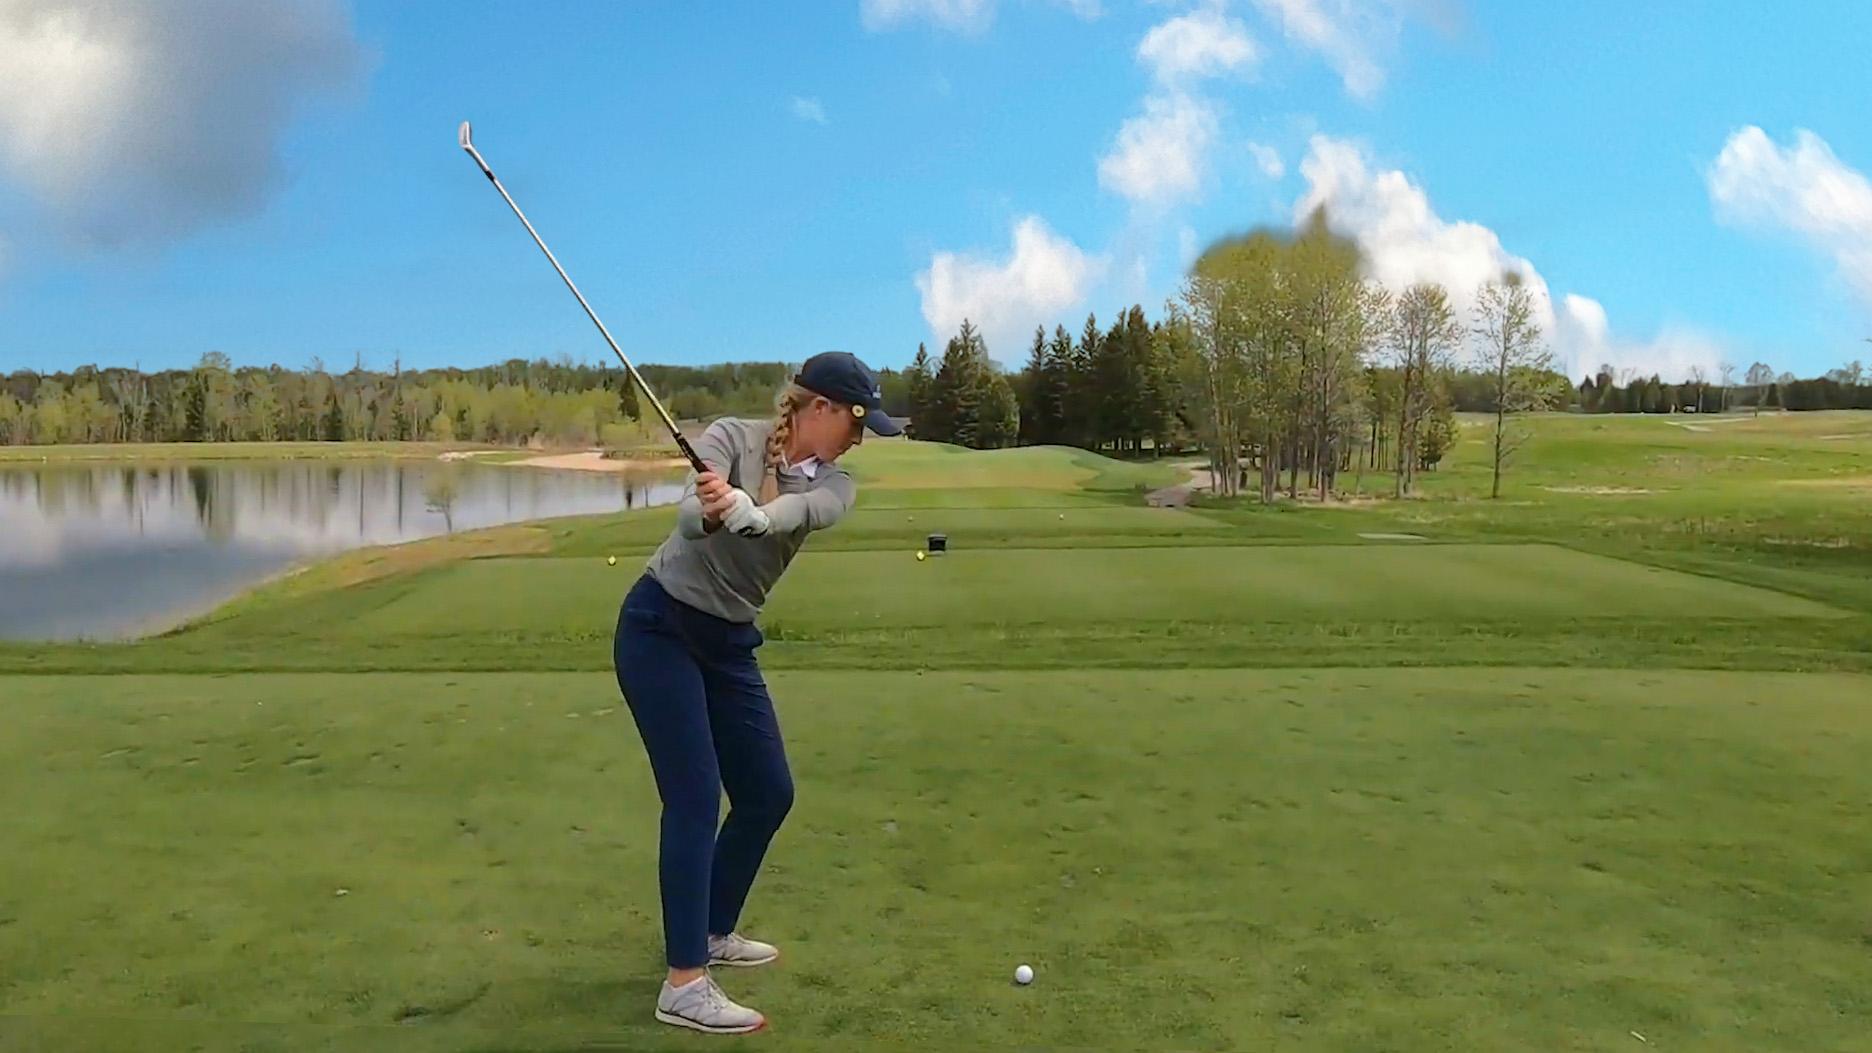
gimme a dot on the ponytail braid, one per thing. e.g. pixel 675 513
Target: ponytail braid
pixel 791 400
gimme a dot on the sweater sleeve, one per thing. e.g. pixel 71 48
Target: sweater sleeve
pixel 716 448
pixel 814 509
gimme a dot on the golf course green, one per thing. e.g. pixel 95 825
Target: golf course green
pixel 1582 768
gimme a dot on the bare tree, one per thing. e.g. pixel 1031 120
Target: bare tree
pixel 1424 334
pixel 1727 368
pixel 1513 355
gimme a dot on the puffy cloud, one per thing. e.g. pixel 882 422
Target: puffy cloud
pixel 1405 241
pixel 1803 188
pixel 1203 43
pixel 144 120
pixel 1160 155
pixel 808 109
pixel 1041 277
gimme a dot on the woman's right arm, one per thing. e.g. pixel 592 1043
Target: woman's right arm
pixel 706 496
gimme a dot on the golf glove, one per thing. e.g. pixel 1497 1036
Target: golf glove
pixel 746 518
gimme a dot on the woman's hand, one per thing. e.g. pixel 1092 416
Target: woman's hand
pixel 717 498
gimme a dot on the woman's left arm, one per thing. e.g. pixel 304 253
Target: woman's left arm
pixel 814 509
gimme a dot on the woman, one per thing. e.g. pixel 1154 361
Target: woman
pixel 685 662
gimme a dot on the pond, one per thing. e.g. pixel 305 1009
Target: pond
pixel 119 550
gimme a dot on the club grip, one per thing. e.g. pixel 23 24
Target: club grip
pixel 689 452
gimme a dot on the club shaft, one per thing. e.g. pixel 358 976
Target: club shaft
pixel 668 422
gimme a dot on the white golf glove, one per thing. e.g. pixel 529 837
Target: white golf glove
pixel 745 517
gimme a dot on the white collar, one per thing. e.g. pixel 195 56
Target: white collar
pixel 808 467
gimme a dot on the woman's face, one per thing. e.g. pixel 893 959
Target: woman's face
pixel 826 429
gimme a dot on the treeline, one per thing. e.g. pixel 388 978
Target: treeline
pixel 1844 388
pixel 1110 389
pixel 515 402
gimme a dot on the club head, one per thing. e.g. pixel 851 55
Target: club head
pixel 466 142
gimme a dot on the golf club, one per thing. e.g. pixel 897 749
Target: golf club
pixel 675 432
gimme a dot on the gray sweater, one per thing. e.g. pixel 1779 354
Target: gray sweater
pixel 723 573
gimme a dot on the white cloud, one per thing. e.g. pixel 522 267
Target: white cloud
pixel 961 16
pixel 1042 277
pixel 1268 160
pixel 143 120
pixel 1805 189
pixel 1405 241
pixel 1203 43
pixel 1160 155
pixel 1344 32
pixel 808 109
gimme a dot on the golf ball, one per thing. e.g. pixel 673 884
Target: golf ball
pixel 1023 975
pixel 920 556
pixel 612 560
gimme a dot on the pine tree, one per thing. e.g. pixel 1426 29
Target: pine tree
pixel 1000 411
pixel 968 389
pixel 1033 429
pixel 1082 403
pixel 921 383
pixel 1054 395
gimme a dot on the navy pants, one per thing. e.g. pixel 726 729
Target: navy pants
pixel 708 724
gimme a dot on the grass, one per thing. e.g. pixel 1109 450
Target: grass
pixel 1581 764
pixel 1223 859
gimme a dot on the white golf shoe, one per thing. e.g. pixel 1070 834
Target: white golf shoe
pixel 736 949
pixel 700 1005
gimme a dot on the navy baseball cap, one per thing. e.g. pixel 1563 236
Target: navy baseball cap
pixel 839 376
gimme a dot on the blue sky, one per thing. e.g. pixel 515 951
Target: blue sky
pixel 279 180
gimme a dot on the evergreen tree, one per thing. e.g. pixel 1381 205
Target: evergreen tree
pixel 1054 398
pixel 921 382
pixel 1082 401
pixel 1035 429
pixel 1000 411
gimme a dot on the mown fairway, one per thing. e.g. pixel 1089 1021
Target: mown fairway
pixel 395 803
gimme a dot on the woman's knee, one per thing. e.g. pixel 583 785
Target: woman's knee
pixel 776 796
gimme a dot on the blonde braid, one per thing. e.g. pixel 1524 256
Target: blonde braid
pixel 791 400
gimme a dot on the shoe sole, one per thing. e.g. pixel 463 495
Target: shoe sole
pixel 696 1025
pixel 742 963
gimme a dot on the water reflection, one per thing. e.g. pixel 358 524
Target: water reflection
pixel 117 550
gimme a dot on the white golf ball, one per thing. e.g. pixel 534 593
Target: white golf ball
pixel 1023 975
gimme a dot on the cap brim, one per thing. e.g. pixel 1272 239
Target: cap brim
pixel 880 424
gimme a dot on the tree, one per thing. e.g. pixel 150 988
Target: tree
pixel 1424 334
pixel 971 403
pixel 1440 433
pixel 1000 412
pixel 1053 388
pixel 12 420
pixel 1512 352
pixel 1036 425
pixel 920 381
pixel 1082 394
